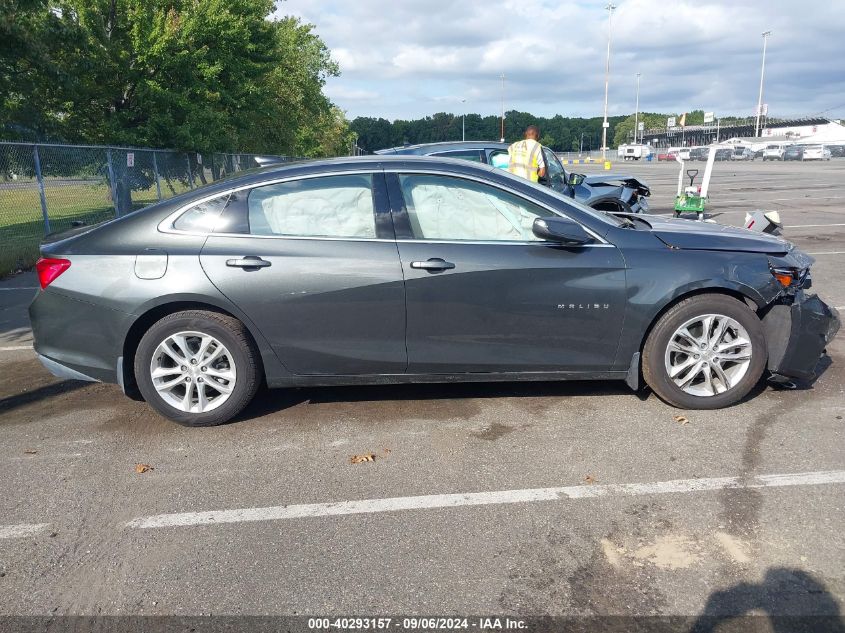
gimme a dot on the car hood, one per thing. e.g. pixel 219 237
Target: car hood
pixel 610 179
pixel 709 236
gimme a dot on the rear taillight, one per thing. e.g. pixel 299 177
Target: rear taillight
pixel 48 268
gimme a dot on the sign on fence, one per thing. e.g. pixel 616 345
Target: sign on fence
pixel 130 159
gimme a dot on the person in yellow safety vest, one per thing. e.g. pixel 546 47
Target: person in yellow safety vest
pixel 525 157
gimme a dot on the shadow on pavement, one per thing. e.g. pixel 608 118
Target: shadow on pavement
pixel 269 401
pixel 10 403
pixel 791 600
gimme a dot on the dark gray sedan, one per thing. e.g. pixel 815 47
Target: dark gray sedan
pixel 411 269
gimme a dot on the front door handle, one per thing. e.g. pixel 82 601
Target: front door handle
pixel 250 261
pixel 433 265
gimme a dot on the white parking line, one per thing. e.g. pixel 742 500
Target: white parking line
pixel 427 502
pixel 21 288
pixel 15 348
pixel 828 253
pixel 22 530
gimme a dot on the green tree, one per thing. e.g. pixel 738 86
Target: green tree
pixel 200 75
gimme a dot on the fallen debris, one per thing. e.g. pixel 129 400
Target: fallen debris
pixel 143 468
pixel 681 419
pixel 589 479
pixel 30 451
pixel 359 459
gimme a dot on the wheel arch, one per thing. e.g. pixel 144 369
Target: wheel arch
pixel 634 378
pixel 157 311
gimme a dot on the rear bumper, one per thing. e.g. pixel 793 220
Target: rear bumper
pixel 76 339
pixel 63 371
pixel 797 335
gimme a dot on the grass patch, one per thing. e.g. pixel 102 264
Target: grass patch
pixel 22 225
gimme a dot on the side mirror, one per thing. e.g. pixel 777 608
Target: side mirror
pixel 575 179
pixel 562 230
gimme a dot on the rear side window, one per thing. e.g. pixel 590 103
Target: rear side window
pixel 474 155
pixel 329 206
pixel 499 158
pixel 203 217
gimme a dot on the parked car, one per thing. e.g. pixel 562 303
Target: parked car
pixel 385 269
pixel 773 152
pixel 665 156
pixel 793 152
pixel 629 190
pixel 742 153
pixel 816 152
pixel 724 153
pixel 699 153
pixel 836 151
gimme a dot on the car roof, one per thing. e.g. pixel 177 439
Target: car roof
pixel 337 166
pixel 446 146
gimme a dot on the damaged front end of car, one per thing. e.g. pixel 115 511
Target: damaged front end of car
pixel 798 324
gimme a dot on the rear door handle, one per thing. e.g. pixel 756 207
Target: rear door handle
pixel 435 264
pixel 250 261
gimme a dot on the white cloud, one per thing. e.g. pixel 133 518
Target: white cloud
pixel 398 59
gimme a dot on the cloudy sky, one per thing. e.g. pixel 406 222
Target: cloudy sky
pixel 409 58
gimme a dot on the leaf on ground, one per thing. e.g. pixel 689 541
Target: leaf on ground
pixel 30 451
pixel 590 479
pixel 680 419
pixel 360 459
pixel 143 468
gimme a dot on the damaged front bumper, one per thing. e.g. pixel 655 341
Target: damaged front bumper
pixel 797 334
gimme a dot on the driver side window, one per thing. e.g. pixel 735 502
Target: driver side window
pixel 448 208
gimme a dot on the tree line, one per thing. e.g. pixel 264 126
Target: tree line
pixel 558 132
pixel 562 134
pixel 198 75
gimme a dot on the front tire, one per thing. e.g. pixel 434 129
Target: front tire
pixel 198 368
pixel 705 352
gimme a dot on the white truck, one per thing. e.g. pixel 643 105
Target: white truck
pixel 633 152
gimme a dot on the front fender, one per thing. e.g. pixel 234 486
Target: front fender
pixel 659 279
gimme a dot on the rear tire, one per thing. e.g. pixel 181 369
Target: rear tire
pixel 715 373
pixel 198 368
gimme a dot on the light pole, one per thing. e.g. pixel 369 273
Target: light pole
pixel 503 107
pixel 637 111
pixel 605 125
pixel 762 73
pixel 463 121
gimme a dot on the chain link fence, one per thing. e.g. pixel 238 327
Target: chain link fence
pixel 47 188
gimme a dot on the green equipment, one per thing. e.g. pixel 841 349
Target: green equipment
pixel 692 199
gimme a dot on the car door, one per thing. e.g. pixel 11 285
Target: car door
pixel 483 294
pixel 555 174
pixel 313 262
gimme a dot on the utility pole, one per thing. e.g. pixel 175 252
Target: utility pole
pixel 605 124
pixel 637 111
pixel 463 120
pixel 503 107
pixel 762 73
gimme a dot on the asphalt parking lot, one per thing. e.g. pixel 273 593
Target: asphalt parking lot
pixel 572 498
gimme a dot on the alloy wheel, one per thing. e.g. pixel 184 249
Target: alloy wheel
pixel 708 355
pixel 193 372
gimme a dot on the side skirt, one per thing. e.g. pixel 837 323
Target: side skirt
pixel 395 379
